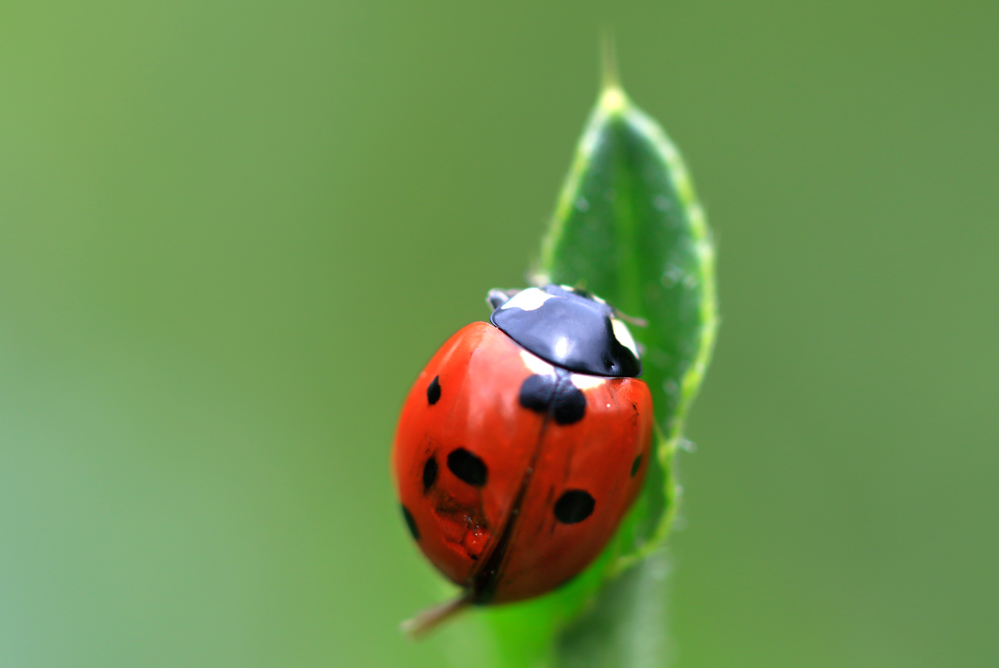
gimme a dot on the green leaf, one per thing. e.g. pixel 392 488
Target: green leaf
pixel 628 227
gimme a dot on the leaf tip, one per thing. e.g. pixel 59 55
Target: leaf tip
pixel 613 100
pixel 608 60
pixel 612 96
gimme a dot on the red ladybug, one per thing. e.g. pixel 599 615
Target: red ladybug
pixel 522 444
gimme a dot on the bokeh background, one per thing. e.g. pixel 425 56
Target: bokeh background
pixel 231 233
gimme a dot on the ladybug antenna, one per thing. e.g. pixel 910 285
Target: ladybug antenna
pixel 631 320
pixel 497 297
pixel 427 621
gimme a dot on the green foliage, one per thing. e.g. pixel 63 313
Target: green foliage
pixel 629 228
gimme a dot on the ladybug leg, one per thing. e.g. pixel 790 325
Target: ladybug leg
pixel 429 619
pixel 497 297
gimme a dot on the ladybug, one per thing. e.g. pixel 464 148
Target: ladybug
pixel 522 444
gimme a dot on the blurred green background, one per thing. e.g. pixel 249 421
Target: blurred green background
pixel 231 234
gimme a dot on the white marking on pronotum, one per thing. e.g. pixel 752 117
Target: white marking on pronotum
pixel 527 300
pixel 536 364
pixel 623 335
pixel 569 288
pixel 584 382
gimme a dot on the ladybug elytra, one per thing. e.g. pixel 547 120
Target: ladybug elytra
pixel 522 444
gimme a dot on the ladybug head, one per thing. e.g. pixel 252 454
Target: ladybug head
pixel 569 328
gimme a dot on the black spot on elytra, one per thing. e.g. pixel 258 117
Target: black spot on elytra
pixel 467 467
pixel 429 473
pixel 536 392
pixel 434 390
pixel 637 464
pixel 570 403
pixel 540 393
pixel 574 506
pixel 410 522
